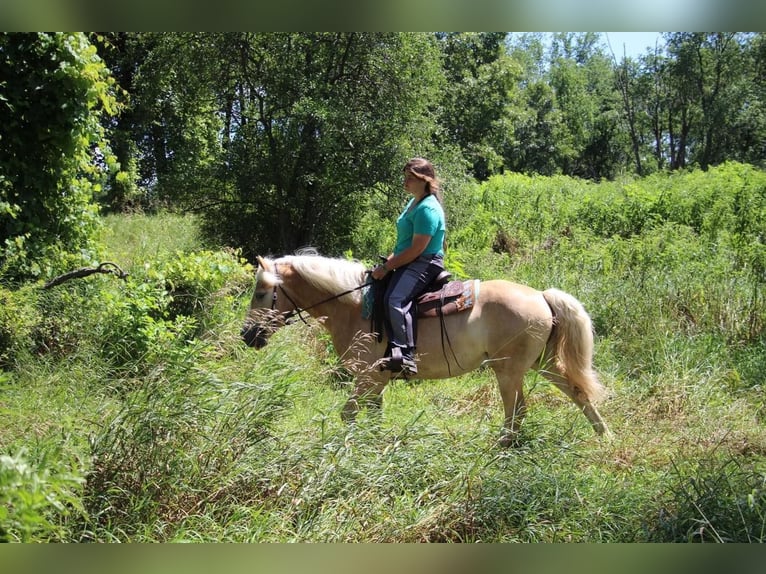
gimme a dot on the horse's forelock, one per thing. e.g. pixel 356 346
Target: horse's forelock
pixel 266 278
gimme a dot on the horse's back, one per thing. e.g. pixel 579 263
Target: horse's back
pixel 507 319
pixel 514 309
pixel 509 298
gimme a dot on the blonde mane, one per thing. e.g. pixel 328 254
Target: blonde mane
pixel 329 275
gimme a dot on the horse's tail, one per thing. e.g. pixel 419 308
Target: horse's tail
pixel 571 344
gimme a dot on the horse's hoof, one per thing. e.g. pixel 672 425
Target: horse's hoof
pixel 509 438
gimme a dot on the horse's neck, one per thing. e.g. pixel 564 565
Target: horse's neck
pixel 341 317
pixel 319 303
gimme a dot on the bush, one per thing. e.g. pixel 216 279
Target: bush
pixel 133 327
pixel 196 280
pixel 151 315
pixel 34 500
pixel 18 318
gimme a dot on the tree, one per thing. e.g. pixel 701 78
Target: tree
pixel 314 121
pixel 592 146
pixel 536 123
pixel 711 91
pixel 538 132
pixel 124 54
pixel 480 80
pixel 280 135
pixel 626 79
pixel 53 155
pixel 749 129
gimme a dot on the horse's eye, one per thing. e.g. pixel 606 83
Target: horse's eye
pixel 262 294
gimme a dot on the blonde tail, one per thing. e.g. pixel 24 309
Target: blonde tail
pixel 571 345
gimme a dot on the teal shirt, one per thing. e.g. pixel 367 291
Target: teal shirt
pixel 425 218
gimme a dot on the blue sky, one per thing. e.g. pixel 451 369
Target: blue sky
pixel 633 44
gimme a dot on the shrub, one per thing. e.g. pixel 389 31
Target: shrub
pixel 18 317
pixel 133 324
pixel 194 281
pixel 33 500
pixel 162 305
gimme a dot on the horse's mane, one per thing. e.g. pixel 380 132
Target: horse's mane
pixel 330 275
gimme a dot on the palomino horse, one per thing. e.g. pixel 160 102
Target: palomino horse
pixel 511 328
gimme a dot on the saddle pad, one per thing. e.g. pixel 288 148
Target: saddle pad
pixel 454 297
pixel 368 299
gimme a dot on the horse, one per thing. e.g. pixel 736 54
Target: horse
pixel 511 328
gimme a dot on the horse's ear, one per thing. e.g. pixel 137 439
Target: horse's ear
pixel 259 262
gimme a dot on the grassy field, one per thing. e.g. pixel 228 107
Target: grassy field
pixel 138 417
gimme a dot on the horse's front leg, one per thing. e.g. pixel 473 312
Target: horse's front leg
pixel 367 393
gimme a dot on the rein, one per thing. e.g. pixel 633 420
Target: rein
pixel 287 315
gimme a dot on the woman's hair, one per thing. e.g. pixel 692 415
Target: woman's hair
pixel 424 169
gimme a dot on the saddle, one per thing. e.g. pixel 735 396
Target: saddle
pixel 442 297
pixel 447 298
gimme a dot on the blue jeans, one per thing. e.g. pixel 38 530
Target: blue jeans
pixel 406 284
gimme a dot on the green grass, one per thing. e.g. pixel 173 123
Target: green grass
pixel 137 239
pixel 201 439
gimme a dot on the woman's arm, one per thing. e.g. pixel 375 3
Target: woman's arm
pixel 419 244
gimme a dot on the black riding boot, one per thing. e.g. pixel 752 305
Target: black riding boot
pixel 400 361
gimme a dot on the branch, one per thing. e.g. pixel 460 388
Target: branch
pixel 86 271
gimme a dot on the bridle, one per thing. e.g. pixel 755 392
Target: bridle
pixel 297 309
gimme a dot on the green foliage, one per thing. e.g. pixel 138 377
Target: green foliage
pixel 131 324
pixel 55 88
pixel 183 434
pixel 162 305
pixel 479 76
pixel 18 318
pixel 284 149
pixel 135 328
pixel 195 280
pixel 36 499
pixel 158 456
pixel 714 500
pixel 374 235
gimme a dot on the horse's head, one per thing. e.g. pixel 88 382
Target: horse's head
pixel 293 284
pixel 264 317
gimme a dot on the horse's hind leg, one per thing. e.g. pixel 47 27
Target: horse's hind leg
pixel 572 390
pixel 510 380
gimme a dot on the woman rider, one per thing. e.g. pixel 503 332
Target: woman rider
pixel 416 260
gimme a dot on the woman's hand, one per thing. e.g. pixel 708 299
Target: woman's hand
pixel 419 244
pixel 379 272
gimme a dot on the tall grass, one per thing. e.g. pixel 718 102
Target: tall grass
pixel 137 239
pixel 133 412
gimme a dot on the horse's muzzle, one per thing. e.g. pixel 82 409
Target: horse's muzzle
pixel 254 336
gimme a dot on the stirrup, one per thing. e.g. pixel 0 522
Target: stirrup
pixel 397 363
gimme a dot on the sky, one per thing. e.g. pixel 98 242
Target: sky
pixel 632 44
